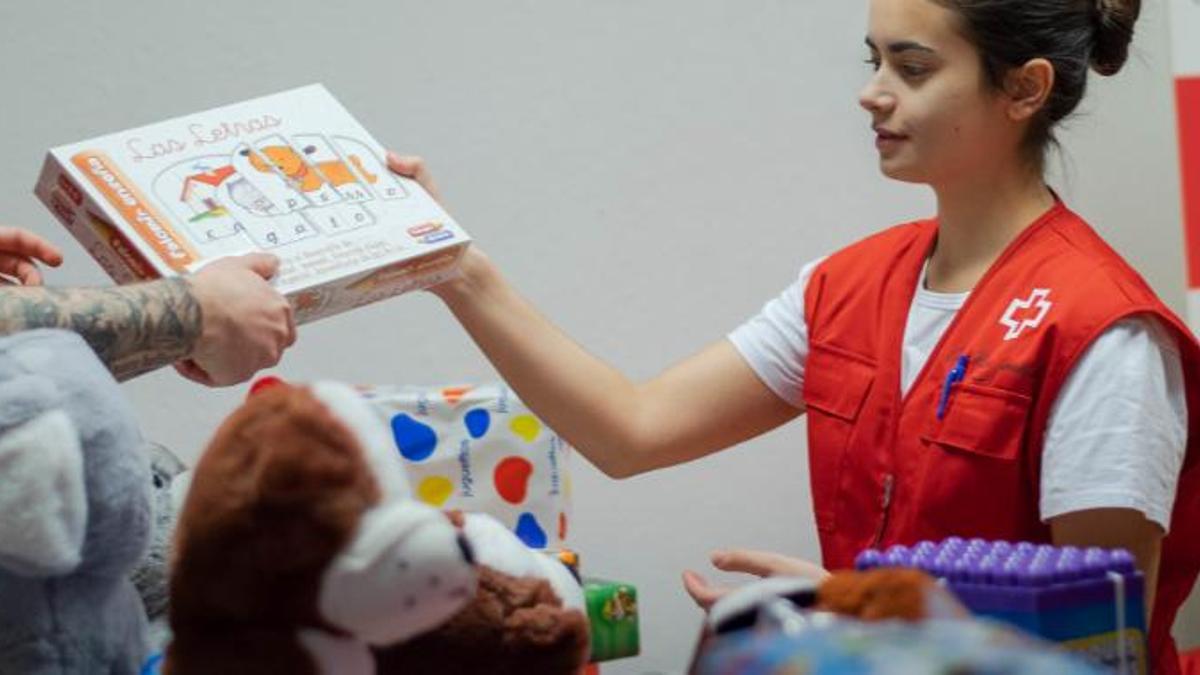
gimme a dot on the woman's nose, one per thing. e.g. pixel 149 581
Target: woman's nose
pixel 874 98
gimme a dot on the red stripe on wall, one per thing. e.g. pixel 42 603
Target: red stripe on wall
pixel 1187 99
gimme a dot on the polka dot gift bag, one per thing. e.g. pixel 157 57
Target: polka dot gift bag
pixel 478 448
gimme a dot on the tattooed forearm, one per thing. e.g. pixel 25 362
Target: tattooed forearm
pixel 134 329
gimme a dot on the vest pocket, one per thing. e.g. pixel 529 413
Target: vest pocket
pixel 982 421
pixel 973 476
pixel 836 383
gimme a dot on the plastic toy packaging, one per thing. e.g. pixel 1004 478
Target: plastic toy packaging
pixel 480 449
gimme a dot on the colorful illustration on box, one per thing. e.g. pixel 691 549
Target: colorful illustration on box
pixel 621 606
pixel 277 190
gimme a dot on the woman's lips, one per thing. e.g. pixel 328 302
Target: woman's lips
pixel 885 139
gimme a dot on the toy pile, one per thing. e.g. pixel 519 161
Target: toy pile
pixel 877 622
pixel 951 606
pixel 297 544
pixel 301 548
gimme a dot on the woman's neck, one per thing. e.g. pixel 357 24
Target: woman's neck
pixel 977 218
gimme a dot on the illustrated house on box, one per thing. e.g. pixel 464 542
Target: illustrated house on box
pixel 200 193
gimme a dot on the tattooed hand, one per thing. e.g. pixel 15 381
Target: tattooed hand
pixel 226 320
pixel 246 324
pixel 20 251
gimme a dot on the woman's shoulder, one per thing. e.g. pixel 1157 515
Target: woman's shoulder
pixel 881 245
pixel 1082 256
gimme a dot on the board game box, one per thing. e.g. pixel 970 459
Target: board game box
pixel 292 174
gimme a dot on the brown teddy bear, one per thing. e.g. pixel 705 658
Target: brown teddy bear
pixel 300 548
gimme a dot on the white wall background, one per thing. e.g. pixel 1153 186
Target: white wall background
pixel 648 173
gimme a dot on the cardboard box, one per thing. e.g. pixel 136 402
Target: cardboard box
pixel 613 614
pixel 292 174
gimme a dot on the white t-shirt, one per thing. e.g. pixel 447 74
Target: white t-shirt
pixel 1116 436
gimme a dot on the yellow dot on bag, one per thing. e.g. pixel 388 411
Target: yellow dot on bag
pixel 435 490
pixel 527 427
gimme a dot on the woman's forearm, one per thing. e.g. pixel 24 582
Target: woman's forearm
pixel 589 403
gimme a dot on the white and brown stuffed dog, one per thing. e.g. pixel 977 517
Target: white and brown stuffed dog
pixel 300 548
pixel 300 544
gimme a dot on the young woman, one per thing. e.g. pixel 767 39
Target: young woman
pixel 996 371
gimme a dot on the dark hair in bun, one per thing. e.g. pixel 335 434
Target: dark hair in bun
pixel 1072 35
pixel 1114 31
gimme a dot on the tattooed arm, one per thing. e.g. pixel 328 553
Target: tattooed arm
pixel 218 326
pixel 133 329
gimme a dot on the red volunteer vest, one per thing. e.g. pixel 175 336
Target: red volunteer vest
pixel 887 470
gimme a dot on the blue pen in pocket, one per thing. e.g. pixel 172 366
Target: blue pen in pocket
pixel 956 375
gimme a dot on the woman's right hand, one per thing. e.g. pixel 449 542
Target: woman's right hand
pixel 474 265
pixel 414 167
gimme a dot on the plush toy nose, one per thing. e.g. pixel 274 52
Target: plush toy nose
pixel 264 383
pixel 468 553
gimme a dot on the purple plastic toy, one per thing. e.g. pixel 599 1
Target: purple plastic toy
pixel 1089 600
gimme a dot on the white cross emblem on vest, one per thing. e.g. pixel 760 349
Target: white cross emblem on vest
pixel 1022 314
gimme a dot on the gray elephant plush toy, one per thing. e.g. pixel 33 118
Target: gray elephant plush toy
pixel 168 483
pixel 75 512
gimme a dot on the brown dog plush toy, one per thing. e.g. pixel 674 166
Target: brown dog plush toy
pixel 300 548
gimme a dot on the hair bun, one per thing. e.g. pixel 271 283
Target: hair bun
pixel 1114 21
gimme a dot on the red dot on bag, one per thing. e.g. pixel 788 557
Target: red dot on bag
pixel 512 478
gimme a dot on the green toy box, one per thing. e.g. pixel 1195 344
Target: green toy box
pixel 613 611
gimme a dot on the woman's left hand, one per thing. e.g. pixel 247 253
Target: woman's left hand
pixel 758 563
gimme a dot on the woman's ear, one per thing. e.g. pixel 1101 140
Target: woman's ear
pixel 1028 87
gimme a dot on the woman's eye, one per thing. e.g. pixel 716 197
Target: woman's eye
pixel 914 70
pixel 873 62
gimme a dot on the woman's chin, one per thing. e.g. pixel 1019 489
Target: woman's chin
pixel 900 171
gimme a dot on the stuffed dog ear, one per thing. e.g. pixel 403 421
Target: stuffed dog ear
pixel 43 505
pixel 407 570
